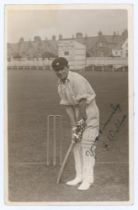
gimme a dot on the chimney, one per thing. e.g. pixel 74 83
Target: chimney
pixel 114 33
pixel 100 33
pixel 60 37
pixel 37 38
pixel 53 37
pixel 79 35
pixel 21 40
pixel 73 37
pixel 86 36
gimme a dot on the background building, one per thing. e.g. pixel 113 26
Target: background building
pixel 82 51
pixel 75 53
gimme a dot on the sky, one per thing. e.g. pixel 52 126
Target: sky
pixel 45 23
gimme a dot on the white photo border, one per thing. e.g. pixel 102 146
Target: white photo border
pixel 2 108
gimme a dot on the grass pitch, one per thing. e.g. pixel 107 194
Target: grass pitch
pixel 32 96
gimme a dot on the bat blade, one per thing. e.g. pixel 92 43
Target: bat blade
pixel 64 162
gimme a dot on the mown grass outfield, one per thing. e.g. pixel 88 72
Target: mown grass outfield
pixel 32 96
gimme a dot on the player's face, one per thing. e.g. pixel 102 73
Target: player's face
pixel 62 73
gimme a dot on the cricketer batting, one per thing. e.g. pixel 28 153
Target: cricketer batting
pixel 78 98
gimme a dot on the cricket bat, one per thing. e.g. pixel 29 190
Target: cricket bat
pixel 65 161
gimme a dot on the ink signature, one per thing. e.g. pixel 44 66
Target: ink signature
pixel 117 126
pixel 91 151
pixel 117 123
pixel 114 108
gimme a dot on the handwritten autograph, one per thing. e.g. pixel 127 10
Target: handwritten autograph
pixel 91 151
pixel 117 124
pixel 114 108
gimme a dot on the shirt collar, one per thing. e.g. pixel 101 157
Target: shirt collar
pixel 67 80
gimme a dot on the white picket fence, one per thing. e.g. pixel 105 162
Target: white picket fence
pixel 105 61
pixel 91 61
pixel 46 62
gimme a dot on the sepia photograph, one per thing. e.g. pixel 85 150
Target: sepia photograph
pixel 68 72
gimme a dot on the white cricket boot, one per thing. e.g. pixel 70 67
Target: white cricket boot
pixel 85 185
pixel 74 182
pixel 78 166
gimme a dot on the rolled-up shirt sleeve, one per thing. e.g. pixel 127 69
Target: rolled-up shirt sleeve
pixel 83 90
pixel 75 89
pixel 64 102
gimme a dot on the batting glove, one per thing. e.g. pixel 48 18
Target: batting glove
pixel 77 131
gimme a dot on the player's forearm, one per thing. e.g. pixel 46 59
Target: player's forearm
pixel 82 109
pixel 71 115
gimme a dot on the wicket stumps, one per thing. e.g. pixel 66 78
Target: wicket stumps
pixel 56 128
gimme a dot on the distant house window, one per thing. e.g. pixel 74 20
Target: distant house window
pixel 66 53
